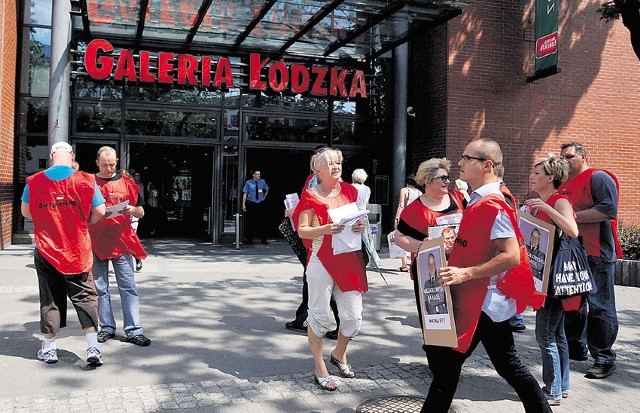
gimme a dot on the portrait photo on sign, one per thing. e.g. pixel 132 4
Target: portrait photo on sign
pixel 448 232
pixel 438 322
pixel 538 237
pixel 433 293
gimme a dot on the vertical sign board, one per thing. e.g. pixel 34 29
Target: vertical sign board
pixel 546 34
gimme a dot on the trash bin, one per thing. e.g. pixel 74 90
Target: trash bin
pixel 375 221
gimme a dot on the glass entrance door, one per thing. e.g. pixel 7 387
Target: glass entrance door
pixel 178 181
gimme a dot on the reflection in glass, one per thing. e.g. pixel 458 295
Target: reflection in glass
pixel 272 128
pixel 297 103
pixel 37 115
pixel 351 132
pixel 183 124
pixel 98 119
pixel 39 61
pixel 38 12
pixel 157 92
pixel 87 88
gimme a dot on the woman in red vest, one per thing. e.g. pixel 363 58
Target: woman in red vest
pixel 342 275
pixel 546 177
pixel 416 218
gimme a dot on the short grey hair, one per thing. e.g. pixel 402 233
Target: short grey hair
pixel 108 150
pixel 359 176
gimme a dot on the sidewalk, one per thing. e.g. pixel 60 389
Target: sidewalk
pixel 216 317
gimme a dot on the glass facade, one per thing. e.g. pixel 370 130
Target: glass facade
pixel 164 130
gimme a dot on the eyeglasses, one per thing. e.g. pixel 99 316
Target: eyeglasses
pixel 468 158
pixel 443 178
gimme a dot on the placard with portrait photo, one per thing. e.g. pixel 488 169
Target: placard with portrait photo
pixel 448 232
pixel 538 237
pixel 435 299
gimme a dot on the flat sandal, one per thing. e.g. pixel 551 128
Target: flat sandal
pixel 345 369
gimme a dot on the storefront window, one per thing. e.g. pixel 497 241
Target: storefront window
pixel 173 94
pixel 351 132
pixel 295 103
pixel 39 57
pixel 38 12
pixel 171 123
pixel 87 88
pixel 98 119
pixel 285 129
pixel 37 115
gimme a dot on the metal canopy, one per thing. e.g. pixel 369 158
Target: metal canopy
pixel 330 30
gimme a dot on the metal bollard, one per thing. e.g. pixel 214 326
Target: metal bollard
pixel 237 215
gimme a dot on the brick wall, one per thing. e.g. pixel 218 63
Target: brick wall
pixel 8 47
pixel 595 99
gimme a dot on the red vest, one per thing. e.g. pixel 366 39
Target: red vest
pixel 347 270
pixel 60 212
pixel 579 192
pixel 473 247
pixel 114 237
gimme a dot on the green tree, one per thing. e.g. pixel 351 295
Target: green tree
pixel 629 11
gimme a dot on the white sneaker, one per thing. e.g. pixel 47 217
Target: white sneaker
pixel 94 357
pixel 49 356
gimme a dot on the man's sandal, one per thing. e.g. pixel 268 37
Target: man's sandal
pixel 345 369
pixel 324 382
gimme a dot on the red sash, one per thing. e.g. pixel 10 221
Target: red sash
pixel 579 192
pixel 60 212
pixel 473 247
pixel 114 237
pixel 347 269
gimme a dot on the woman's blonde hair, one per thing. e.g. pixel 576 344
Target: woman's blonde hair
pixel 554 166
pixel 359 176
pixel 325 156
pixel 428 169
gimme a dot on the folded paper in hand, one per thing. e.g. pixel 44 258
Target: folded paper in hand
pixel 114 210
pixel 347 240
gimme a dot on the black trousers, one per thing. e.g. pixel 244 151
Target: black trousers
pixel 497 339
pixel 55 287
pixel 254 221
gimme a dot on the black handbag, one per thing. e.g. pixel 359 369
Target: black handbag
pixel 570 272
pixel 294 240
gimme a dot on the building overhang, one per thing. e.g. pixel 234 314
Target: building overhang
pixel 345 31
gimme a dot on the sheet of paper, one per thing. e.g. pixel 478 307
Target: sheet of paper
pixel 347 240
pixel 114 210
pixel 449 219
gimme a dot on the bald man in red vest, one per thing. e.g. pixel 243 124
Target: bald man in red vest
pixel 62 203
pixel 490 282
pixel 594 195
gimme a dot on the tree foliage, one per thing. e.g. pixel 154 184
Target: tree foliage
pixel 629 11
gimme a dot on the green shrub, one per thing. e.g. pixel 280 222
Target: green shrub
pixel 630 242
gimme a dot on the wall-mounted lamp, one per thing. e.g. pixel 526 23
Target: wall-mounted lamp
pixel 410 111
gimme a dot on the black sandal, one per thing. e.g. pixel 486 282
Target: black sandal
pixel 345 369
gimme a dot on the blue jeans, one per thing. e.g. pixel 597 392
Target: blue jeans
pixel 597 327
pixel 123 267
pixel 553 345
pixel 517 321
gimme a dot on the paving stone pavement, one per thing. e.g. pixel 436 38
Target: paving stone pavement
pixel 216 318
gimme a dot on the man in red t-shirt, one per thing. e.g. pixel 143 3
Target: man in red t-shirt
pixel 62 203
pixel 114 240
pixel 594 194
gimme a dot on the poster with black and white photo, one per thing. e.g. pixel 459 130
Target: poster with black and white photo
pixel 538 237
pixel 435 299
